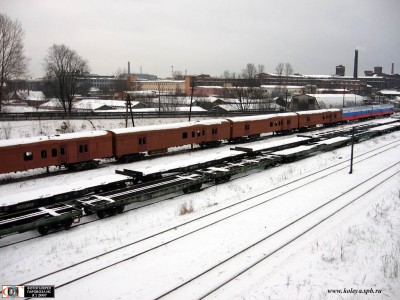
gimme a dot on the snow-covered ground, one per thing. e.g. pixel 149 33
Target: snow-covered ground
pixel 356 249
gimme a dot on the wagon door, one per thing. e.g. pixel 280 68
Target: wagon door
pixel 83 151
pixel 63 154
pixel 247 129
pixel 142 143
pixel 214 133
pixel 200 135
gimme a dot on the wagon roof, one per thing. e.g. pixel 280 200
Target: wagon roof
pixel 261 117
pixel 167 126
pixel 57 137
pixel 318 111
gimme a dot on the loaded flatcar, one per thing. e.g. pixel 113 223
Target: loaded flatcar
pixel 131 143
pixel 252 126
pixel 72 150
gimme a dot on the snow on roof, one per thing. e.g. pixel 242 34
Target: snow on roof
pixel 31 95
pixel 96 103
pixel 261 117
pixel 251 106
pixel 54 102
pixel 64 136
pixel 289 87
pixel 210 87
pixel 390 92
pixel 336 100
pixel 168 126
pixel 317 111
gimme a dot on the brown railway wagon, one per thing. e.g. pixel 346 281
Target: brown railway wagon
pixel 129 142
pixel 66 149
pixel 312 118
pixel 253 126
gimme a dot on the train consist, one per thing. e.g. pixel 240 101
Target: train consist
pixel 78 151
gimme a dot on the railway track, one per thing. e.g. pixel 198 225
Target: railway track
pixel 105 261
pixel 58 171
pixel 87 219
pixel 219 171
pixel 280 239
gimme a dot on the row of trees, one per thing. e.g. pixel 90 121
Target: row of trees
pixel 63 65
pixel 246 85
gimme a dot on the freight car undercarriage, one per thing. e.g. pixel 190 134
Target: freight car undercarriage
pixel 187 179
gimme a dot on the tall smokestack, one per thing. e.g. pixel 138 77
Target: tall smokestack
pixel 392 68
pixel 355 74
pixel 129 68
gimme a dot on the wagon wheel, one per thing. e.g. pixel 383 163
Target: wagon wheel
pixel 120 209
pixel 87 211
pixel 101 214
pixel 43 230
pixel 67 223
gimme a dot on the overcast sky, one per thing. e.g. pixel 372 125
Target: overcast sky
pixel 211 36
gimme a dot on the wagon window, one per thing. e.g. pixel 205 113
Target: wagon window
pixel 198 133
pixel 204 132
pixel 288 122
pixel 54 152
pixel 247 127
pixel 43 153
pixel 62 151
pixel 193 134
pixel 144 141
pixel 308 119
pixel 271 124
pixel 28 156
pixel 85 148
pixel 80 148
pixel 323 117
pixel 184 135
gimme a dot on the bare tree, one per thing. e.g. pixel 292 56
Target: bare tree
pixel 260 69
pixel 13 62
pixel 279 69
pixel 288 69
pixel 63 67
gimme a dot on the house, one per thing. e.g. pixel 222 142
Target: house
pixel 98 104
pixel 31 98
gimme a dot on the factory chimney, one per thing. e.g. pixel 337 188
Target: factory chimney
pixel 129 68
pixel 355 74
pixel 392 68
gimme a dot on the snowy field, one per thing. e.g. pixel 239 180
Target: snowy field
pixel 354 254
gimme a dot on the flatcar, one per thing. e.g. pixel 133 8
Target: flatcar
pixel 72 150
pixel 131 143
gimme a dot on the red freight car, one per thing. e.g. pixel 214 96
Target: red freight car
pixel 253 126
pixel 131 143
pixel 73 150
pixel 312 118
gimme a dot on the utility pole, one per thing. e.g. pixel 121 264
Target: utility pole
pixel 286 94
pixel 129 104
pixel 159 100
pixel 352 150
pixel 191 96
